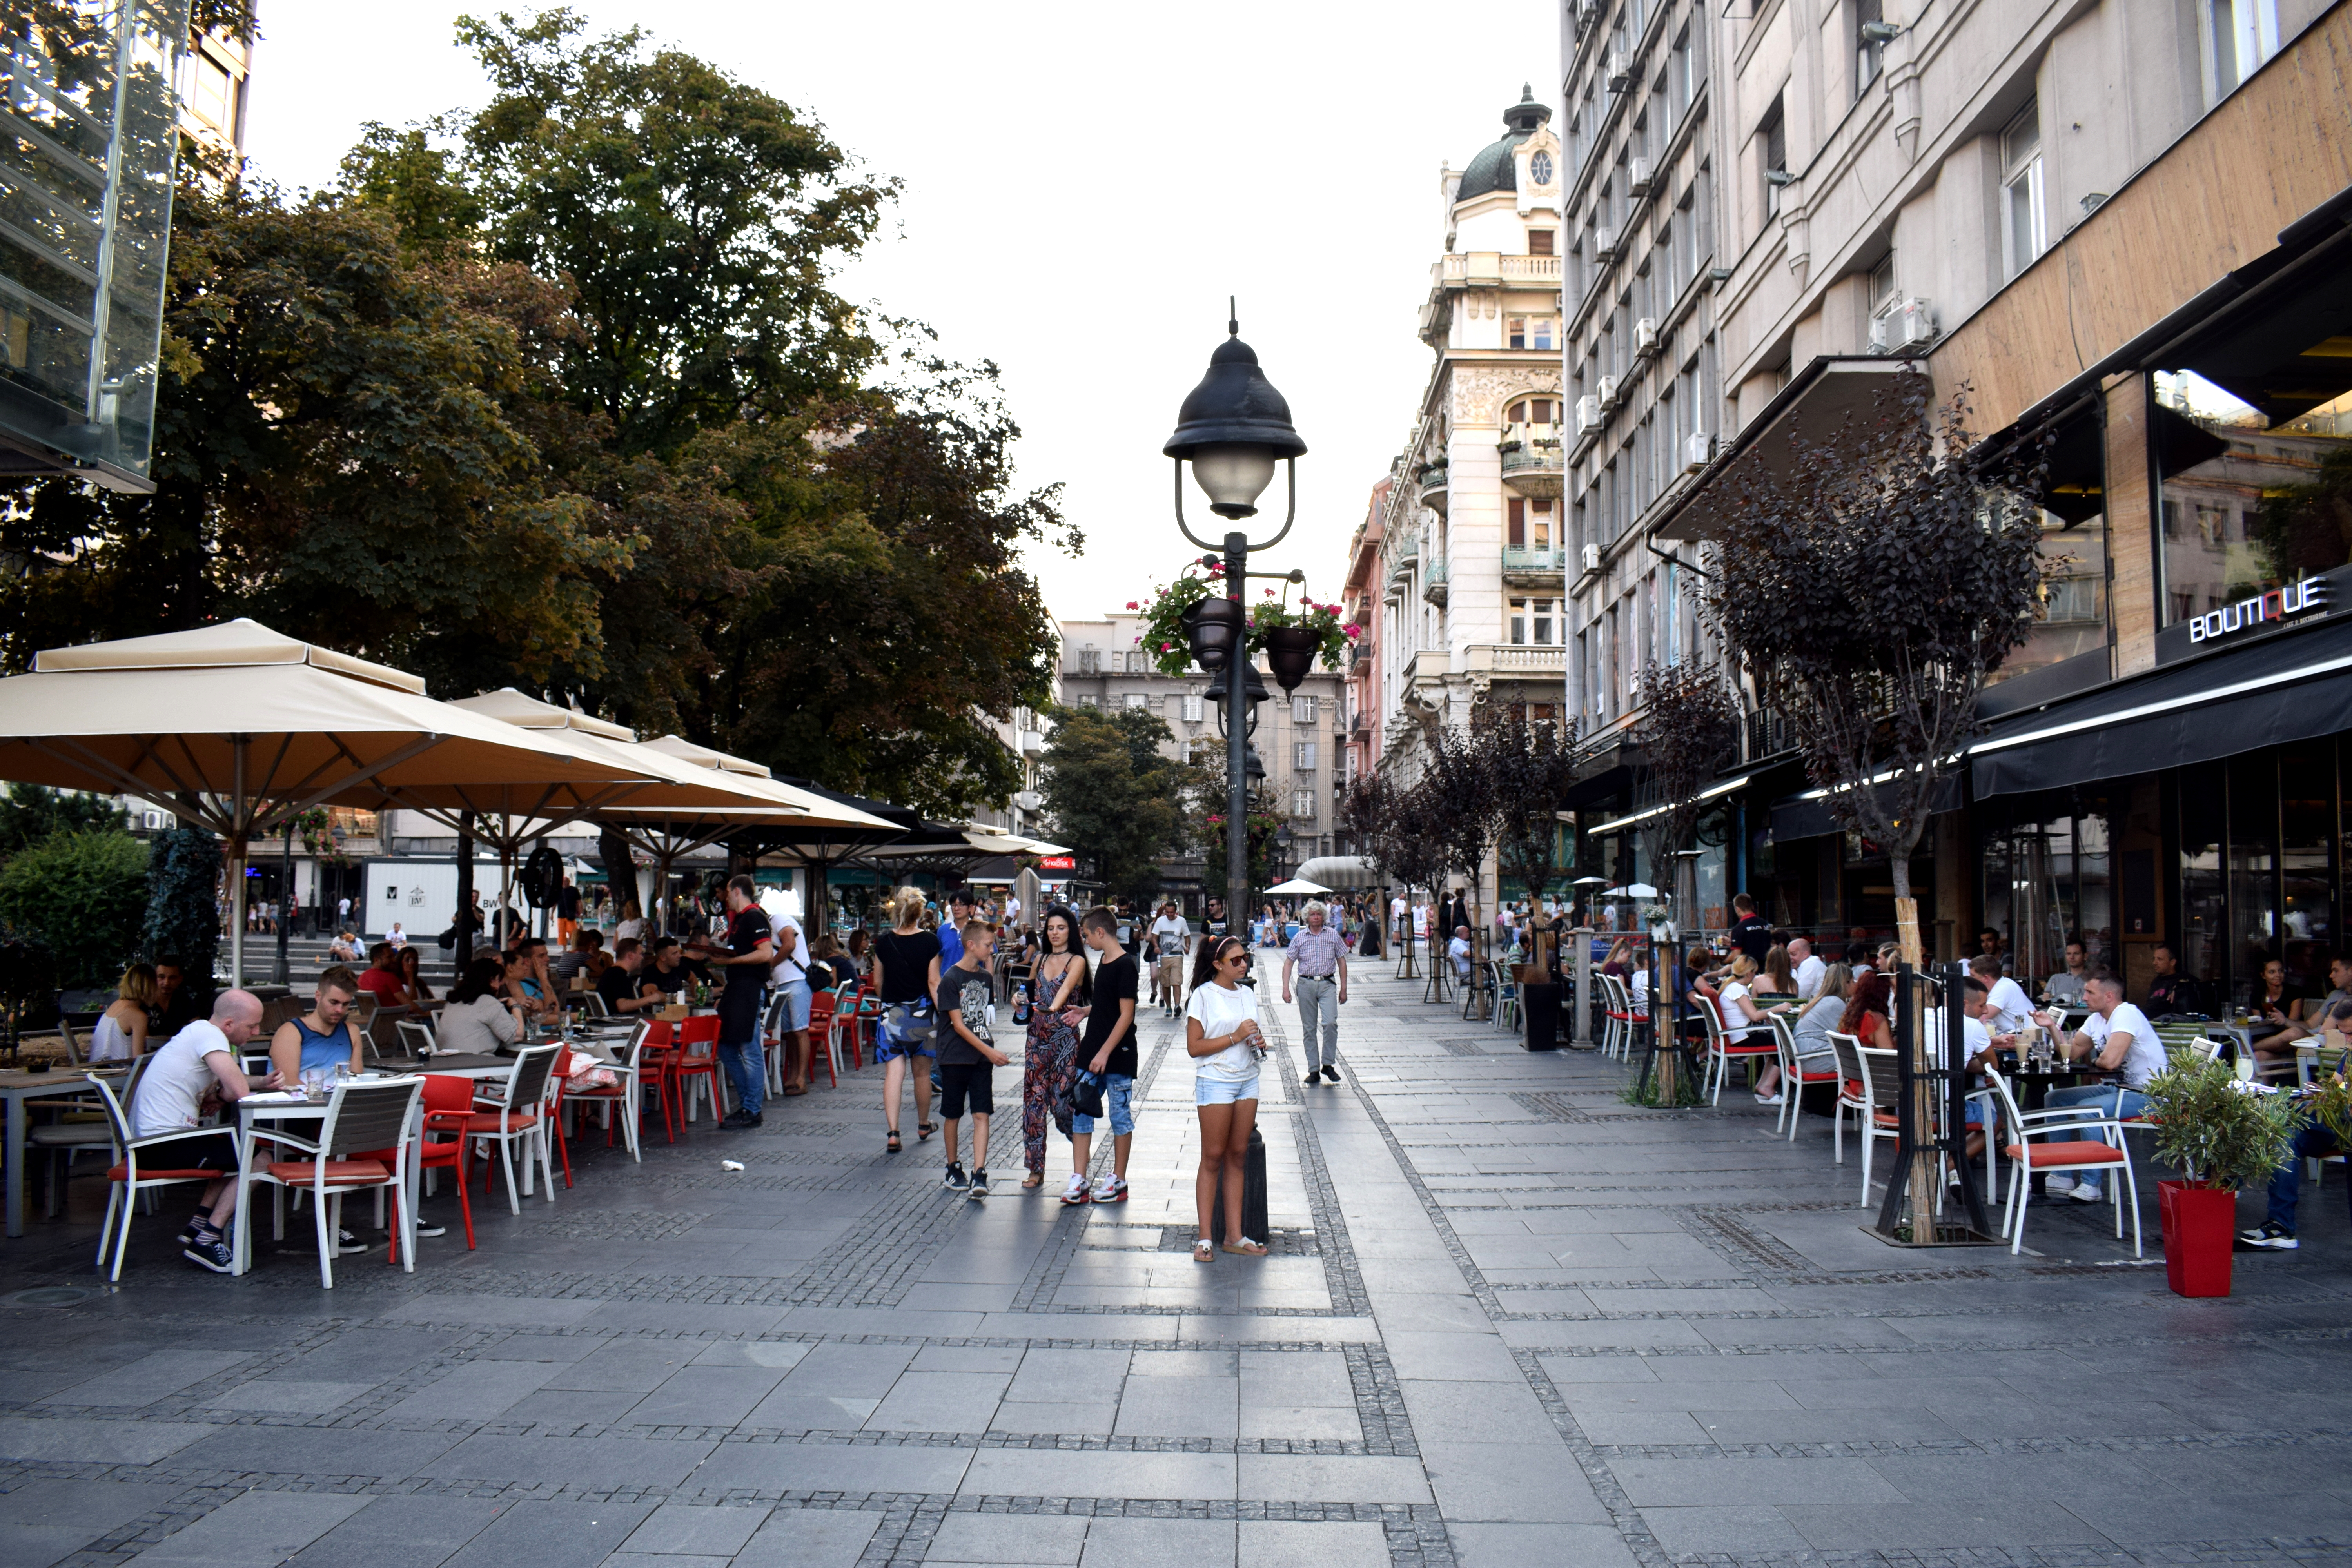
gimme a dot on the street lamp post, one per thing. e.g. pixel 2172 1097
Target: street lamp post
pixel 1232 428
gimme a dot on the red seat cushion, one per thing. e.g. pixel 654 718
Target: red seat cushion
pixel 1851 1086
pixel 1817 1077
pixel 486 1121
pixel 122 1173
pixel 304 1172
pixel 1886 1119
pixel 2079 1151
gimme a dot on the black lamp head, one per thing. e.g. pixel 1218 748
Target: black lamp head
pixel 1233 427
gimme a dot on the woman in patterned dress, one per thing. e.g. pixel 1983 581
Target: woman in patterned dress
pixel 1057 1005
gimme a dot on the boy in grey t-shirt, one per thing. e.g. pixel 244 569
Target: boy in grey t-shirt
pixel 967 1053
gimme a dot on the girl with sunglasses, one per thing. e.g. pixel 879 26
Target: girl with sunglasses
pixel 1223 1037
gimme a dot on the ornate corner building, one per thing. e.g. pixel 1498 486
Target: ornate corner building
pixel 1461 564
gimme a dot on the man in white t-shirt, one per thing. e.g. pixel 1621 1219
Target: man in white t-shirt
pixel 789 977
pixel 2007 1007
pixel 1170 936
pixel 2115 1037
pixel 1013 910
pixel 1398 910
pixel 197 1065
pixel 1809 968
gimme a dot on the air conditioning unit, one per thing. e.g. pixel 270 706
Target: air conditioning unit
pixel 1588 11
pixel 1592 558
pixel 1621 72
pixel 1604 251
pixel 1645 336
pixel 1906 325
pixel 1588 414
pixel 1608 388
pixel 1698 446
pixel 1639 181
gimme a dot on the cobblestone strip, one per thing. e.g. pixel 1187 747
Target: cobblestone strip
pixel 2322 1437
pixel 1631 1527
pixel 1552 1106
pixel 2255 1553
pixel 1343 1277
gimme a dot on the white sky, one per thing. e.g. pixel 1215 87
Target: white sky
pixel 1083 186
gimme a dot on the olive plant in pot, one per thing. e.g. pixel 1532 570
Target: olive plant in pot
pixel 2220 1134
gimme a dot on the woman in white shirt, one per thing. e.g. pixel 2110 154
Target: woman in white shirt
pixel 1223 1037
pixel 120 1034
pixel 1741 1017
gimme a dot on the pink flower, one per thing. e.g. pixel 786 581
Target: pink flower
pixel 1132 604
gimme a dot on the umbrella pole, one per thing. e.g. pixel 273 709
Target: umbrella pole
pixel 236 865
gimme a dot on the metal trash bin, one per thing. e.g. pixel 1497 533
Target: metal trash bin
pixel 1254 1221
pixel 1539 1010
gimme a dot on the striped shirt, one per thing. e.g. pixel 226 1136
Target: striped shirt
pixel 1317 952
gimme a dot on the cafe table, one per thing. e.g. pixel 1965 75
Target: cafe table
pixel 18 1086
pixel 293 1105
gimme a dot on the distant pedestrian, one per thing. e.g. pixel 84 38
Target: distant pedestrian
pixel 1058 994
pixel 1319 954
pixel 967 1053
pixel 396 936
pixel 343 912
pixel 907 960
pixel 1223 1037
pixel 1170 936
pixel 1108 1053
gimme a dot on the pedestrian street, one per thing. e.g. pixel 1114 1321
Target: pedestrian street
pixel 1508 1320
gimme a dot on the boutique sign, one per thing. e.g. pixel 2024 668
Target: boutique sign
pixel 2261 610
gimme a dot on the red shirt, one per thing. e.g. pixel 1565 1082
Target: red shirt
pixel 384 985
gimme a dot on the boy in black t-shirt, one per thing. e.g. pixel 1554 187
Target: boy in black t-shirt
pixel 1109 1049
pixel 966 1053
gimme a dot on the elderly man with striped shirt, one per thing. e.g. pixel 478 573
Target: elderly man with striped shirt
pixel 1319 955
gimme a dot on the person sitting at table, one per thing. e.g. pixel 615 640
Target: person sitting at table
pixel 1619 961
pixel 1458 950
pixel 1806 969
pixel 2065 987
pixel 478 1021
pixel 120 1034
pixel 411 970
pixel 618 984
pixel 193 1071
pixel 325 1036
pixel 516 985
pixel 2171 994
pixel 1776 976
pixel 826 966
pixel 663 981
pixel 175 1007
pixel 1736 1006
pixel 1867 1006
pixel 382 980
pixel 2315 1140
pixel 1825 1013
pixel 1985 1044
pixel 2115 1037
pixel 2275 1007
pixel 2007 1007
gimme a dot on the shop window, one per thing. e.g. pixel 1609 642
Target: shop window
pixel 2047 883
pixel 2072 619
pixel 2251 489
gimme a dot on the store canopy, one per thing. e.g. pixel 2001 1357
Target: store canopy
pixel 1340 872
pixel 238 727
pixel 2294 685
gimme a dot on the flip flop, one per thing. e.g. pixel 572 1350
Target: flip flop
pixel 1245 1248
pixel 1204 1251
pixel 1033 1179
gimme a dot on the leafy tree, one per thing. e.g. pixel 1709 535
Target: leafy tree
pixel 1458 807
pixel 81 894
pixel 1532 763
pixel 1111 797
pixel 182 918
pixel 30 813
pixel 1688 729
pixel 1874 582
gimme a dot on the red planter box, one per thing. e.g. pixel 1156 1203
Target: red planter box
pixel 2200 1228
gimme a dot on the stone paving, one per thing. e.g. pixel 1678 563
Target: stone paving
pixel 1509 1321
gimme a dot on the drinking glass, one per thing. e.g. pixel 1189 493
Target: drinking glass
pixel 2245 1066
pixel 314 1083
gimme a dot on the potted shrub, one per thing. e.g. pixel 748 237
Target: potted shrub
pixel 1293 639
pixel 2221 1134
pixel 1168 616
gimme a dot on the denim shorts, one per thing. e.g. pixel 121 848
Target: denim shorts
pixel 888 1048
pixel 1207 1090
pixel 1118 1103
pixel 793 1016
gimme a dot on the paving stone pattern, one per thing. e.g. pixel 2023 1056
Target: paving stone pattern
pixel 1508 1320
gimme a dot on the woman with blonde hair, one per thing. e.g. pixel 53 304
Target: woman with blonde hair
pixel 1742 1016
pixel 120 1034
pixel 907 963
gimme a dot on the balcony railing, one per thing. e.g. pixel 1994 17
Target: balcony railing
pixel 1546 661
pixel 1431 487
pixel 1534 560
pixel 1482 264
pixel 1534 461
pixel 1433 579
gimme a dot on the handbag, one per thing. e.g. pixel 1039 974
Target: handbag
pixel 1086 1092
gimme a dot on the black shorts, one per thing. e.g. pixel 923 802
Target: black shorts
pixel 965 1085
pixel 216 1152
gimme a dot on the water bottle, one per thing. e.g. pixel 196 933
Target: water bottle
pixel 1021 1002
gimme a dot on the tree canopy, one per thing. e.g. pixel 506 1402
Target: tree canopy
pixel 1114 798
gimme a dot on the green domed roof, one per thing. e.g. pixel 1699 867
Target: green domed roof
pixel 1493 169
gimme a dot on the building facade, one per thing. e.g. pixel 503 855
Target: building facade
pixel 1298 740
pixel 1466 557
pixel 2048 208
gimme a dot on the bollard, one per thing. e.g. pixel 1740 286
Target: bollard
pixel 1581 1004
pixel 1254 1221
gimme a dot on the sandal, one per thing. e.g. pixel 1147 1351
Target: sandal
pixel 923 1130
pixel 1033 1179
pixel 895 1146
pixel 1204 1251
pixel 1243 1246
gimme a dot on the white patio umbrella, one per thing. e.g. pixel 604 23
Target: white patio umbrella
pixel 238 727
pixel 1631 891
pixel 1298 885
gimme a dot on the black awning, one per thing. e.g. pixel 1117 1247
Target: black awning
pixel 1807 815
pixel 2294 685
pixel 1601 789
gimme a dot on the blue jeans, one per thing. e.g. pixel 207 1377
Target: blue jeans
pixel 2097 1100
pixel 747 1070
pixel 2286 1183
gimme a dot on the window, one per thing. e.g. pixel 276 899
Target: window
pixel 1518 623
pixel 1137 700
pixel 1680 84
pixel 1868 50
pixel 1089 661
pixel 1541 609
pixel 1192 714
pixel 2022 221
pixel 1543 520
pixel 212 94
pixel 1302 804
pixel 1517 537
pixel 1882 285
pixel 1089 701
pixel 1543 331
pixel 1539 240
pixel 1540 409
pixel 1303 710
pixel 1304 759
pixel 1531 622
pixel 1518 331
pixel 1773 138
pixel 2240 35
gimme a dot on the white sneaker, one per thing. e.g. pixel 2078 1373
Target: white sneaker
pixel 1111 1189
pixel 2086 1194
pixel 2059 1183
pixel 1769 1099
pixel 1075 1193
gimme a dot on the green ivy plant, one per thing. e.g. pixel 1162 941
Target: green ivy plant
pixel 2218 1131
